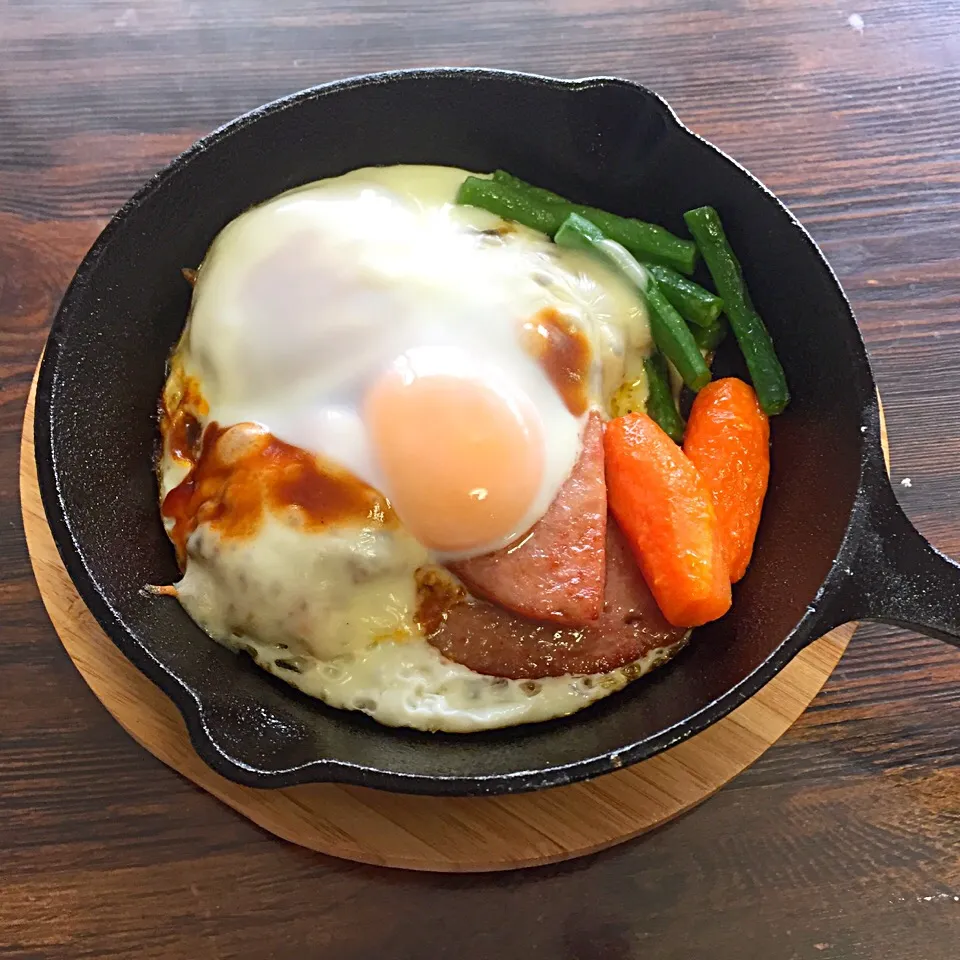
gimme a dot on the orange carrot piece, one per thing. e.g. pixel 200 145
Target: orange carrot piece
pixel 666 512
pixel 728 441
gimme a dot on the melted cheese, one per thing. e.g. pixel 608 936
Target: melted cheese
pixel 332 610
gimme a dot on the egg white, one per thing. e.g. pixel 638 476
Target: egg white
pixel 297 305
pixel 302 302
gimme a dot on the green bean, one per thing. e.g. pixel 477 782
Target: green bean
pixel 509 203
pixel 670 333
pixel 709 338
pixel 630 397
pixel 753 337
pixel 540 193
pixel 544 211
pixel 694 303
pixel 682 293
pixel 660 403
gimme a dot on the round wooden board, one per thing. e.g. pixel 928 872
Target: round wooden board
pixel 427 833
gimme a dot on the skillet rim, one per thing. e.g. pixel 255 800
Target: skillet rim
pixel 816 621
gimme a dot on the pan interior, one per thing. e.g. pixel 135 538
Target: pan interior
pixel 607 143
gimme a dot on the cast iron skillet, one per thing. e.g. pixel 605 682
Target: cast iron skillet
pixel 834 545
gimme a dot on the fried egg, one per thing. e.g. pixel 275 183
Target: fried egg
pixel 374 381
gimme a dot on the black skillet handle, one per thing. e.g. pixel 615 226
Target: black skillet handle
pixel 892 574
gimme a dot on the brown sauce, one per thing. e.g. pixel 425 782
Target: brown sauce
pixel 563 352
pixel 437 593
pixel 180 427
pixel 241 472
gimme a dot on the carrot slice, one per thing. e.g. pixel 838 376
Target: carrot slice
pixel 666 511
pixel 728 441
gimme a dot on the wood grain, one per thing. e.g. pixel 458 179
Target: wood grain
pixel 441 834
pixel 842 841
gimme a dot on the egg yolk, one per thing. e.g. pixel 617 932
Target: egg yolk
pixel 462 462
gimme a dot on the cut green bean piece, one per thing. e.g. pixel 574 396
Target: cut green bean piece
pixel 670 332
pixel 709 338
pixel 694 303
pixel 705 302
pixel 511 204
pixel 541 193
pixel 752 335
pixel 630 397
pixel 661 406
pixel 541 210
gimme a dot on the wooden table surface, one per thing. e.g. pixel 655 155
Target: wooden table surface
pixel 844 841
